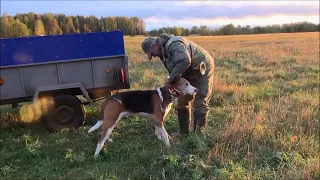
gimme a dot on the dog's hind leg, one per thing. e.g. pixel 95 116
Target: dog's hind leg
pixel 104 137
pixel 100 122
pixel 107 130
pixel 96 126
pixel 101 142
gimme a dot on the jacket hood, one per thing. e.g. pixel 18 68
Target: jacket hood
pixel 163 38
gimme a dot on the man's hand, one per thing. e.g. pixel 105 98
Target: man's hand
pixel 170 80
pixel 167 80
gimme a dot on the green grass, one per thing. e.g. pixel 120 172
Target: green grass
pixel 263 124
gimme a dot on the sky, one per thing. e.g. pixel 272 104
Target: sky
pixel 157 14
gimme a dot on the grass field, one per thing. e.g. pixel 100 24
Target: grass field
pixel 264 122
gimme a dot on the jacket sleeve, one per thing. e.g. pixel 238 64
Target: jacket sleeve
pixel 181 59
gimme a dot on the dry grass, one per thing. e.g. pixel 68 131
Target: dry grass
pixel 264 121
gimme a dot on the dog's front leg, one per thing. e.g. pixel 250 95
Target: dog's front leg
pixel 164 134
pixel 157 132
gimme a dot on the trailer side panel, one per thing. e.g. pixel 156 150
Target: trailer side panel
pixel 13 85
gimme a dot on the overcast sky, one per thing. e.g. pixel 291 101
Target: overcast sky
pixel 157 14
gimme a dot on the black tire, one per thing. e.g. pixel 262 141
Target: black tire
pixel 66 112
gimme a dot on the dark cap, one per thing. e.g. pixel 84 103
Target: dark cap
pixel 146 45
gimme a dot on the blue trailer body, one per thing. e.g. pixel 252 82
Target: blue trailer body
pixel 59 48
pixel 96 61
pixel 52 71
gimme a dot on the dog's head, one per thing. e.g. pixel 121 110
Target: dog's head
pixel 181 86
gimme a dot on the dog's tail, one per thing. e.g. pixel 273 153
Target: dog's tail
pixel 96 126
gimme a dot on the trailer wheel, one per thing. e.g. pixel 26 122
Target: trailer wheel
pixel 67 112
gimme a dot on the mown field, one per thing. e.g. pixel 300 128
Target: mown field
pixel 263 124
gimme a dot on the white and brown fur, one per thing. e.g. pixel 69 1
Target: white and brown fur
pixel 153 104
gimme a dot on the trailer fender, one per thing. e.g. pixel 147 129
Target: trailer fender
pixel 61 87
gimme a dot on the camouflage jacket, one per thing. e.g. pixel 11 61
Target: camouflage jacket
pixel 182 57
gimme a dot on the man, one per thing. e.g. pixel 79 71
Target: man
pixel 182 57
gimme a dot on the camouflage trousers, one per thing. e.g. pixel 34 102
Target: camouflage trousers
pixel 204 84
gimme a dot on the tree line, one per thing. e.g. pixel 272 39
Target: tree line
pixel 29 24
pixel 230 29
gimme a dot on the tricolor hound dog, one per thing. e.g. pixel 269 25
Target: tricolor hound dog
pixel 153 104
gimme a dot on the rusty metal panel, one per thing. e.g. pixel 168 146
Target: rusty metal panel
pixel 38 76
pixel 12 86
pixel 79 71
pixel 102 76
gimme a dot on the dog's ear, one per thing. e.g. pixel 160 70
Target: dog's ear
pixel 176 79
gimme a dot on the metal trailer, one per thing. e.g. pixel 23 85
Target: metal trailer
pixel 51 71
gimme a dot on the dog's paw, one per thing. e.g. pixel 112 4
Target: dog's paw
pixel 167 143
pixel 109 140
pixel 159 136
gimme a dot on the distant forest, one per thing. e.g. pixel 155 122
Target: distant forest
pixel 33 24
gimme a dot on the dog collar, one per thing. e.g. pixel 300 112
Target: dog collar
pixel 174 91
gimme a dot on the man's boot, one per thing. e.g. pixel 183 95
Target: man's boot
pixel 199 121
pixel 184 119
